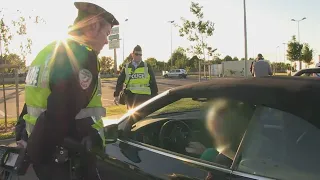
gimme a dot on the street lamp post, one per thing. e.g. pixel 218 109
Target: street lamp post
pixel 298 21
pixel 123 41
pixel 245 38
pixel 171 22
pixel 277 53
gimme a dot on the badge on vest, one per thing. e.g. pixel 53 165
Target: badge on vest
pixel 85 78
pixel 32 76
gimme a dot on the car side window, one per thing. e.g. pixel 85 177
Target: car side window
pixel 206 130
pixel 280 145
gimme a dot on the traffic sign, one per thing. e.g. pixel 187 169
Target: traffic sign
pixel 115 30
pixel 114 37
pixel 115 44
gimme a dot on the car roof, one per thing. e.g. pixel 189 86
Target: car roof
pixel 296 95
pixel 308 70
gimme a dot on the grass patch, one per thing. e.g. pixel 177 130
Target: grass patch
pixel 181 105
pixel 11 122
pixel 116 110
pixel 109 79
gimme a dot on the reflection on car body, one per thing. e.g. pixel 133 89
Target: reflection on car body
pixel 278 138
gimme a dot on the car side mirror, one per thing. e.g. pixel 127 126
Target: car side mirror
pixel 111 133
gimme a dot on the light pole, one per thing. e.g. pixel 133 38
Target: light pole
pixel 171 22
pixel 298 21
pixel 245 38
pixel 123 41
pixel 277 53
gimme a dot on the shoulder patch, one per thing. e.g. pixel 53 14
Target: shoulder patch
pixel 85 78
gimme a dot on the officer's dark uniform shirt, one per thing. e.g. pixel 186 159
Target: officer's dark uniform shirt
pixel 122 78
pixel 66 100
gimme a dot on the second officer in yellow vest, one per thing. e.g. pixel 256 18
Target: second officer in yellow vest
pixel 63 93
pixel 139 79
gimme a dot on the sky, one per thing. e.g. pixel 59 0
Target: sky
pixel 269 25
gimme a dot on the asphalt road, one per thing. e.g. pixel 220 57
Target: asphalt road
pixel 108 87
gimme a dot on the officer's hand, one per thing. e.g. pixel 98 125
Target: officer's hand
pixel 116 100
pixel 21 144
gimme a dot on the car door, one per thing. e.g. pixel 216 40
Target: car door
pixel 171 73
pixel 142 159
pixel 278 145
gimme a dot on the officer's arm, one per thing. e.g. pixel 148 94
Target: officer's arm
pixel 20 128
pixel 120 82
pixel 153 82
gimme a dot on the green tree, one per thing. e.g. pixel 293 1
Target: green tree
pixel 228 58
pixel 179 58
pixel 153 63
pixel 307 54
pixel 14 59
pixel 235 59
pixel 106 64
pixel 197 32
pixel 294 52
pixel 10 29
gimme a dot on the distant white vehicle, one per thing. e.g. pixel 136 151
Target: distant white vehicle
pixel 180 73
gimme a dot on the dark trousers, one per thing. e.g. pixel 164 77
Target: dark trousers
pixel 134 100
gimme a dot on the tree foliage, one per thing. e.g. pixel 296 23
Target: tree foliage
pixel 294 52
pixel 17 28
pixel 14 59
pixel 106 64
pixel 307 54
pixel 197 31
pixel 228 58
pixel 179 58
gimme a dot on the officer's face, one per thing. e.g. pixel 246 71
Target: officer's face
pixel 137 56
pixel 99 33
pixel 102 35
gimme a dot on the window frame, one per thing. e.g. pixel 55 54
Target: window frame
pixel 182 157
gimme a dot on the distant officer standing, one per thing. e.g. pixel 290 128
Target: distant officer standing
pixel 63 94
pixel 261 67
pixel 139 79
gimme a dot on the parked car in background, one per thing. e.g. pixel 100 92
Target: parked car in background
pixel 180 73
pixel 309 72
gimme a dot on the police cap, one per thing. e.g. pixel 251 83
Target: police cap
pixel 86 8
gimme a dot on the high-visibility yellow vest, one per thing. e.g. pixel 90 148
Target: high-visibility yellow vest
pixel 37 88
pixel 139 79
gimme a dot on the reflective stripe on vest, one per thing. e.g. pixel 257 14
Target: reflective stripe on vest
pixel 139 82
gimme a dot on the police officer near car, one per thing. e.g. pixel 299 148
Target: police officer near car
pixel 63 95
pixel 139 79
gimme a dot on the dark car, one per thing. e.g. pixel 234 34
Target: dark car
pixel 279 139
pixel 309 72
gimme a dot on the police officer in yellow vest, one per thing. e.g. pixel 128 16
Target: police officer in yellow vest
pixel 63 92
pixel 139 79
